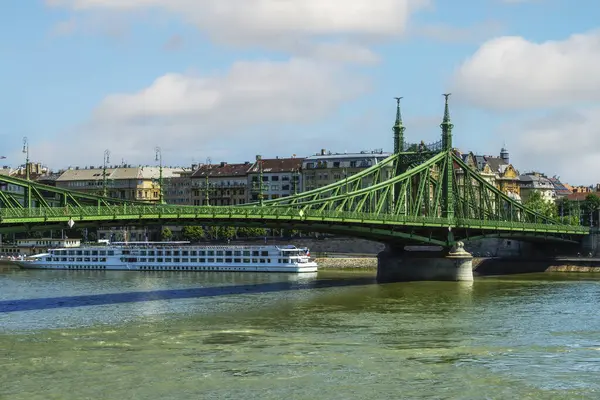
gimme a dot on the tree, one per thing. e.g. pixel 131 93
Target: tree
pixel 193 233
pixel 220 232
pixel 166 234
pixel 251 232
pixel 537 203
pixel 591 207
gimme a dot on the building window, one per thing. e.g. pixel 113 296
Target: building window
pixel 275 178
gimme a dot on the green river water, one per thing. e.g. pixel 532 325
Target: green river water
pixel 166 335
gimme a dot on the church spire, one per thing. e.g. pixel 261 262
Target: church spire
pixel 398 129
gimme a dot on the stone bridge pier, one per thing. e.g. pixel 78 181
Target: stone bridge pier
pixel 396 264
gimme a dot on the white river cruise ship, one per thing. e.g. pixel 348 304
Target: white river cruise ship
pixel 174 256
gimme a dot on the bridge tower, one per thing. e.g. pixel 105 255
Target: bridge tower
pixel 447 179
pixel 400 166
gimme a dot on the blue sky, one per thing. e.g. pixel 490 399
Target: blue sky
pixel 226 80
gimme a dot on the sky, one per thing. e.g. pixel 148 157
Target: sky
pixel 225 80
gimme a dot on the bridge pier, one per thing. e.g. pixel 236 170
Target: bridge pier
pixel 399 265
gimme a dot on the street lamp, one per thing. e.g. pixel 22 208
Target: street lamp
pixel 106 161
pixel 160 173
pixel 26 152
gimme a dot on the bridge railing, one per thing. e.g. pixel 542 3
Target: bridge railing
pixel 119 212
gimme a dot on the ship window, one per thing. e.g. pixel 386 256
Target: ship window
pixel 167 260
pixel 142 252
pixel 87 252
pixel 159 253
pixel 185 260
pixel 79 253
pixel 63 259
pixel 228 260
pixel 151 260
pixel 175 252
pixel 71 259
pixel 176 260
pixel 237 253
pixel 159 260
pixel 219 253
pixel 202 253
pixel 111 252
pixel 193 260
pixel 102 259
pixel 254 260
pixel 210 253
pixel 150 252
pixel 86 259
pixel 264 253
pixel 167 252
pixel 71 253
pixel 228 253
pixel 94 252
pixel 247 252
pixel 79 259
pixel 210 260
pixel 255 253
pixel 184 253
pixel 262 260
pixel 124 252
pixel 219 260
pixel 102 252
pixel 237 260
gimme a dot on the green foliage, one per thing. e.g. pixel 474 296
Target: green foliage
pixel 193 233
pixel 166 234
pixel 251 232
pixel 220 232
pixel 536 202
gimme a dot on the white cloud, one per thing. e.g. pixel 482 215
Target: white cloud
pixel 513 73
pixel 249 20
pixel 566 143
pixel 218 114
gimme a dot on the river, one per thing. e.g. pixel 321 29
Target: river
pixel 167 335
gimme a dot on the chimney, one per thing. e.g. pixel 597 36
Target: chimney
pixel 223 163
pixel 194 167
pixel 322 152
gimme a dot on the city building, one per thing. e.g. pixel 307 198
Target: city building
pixel 126 182
pixel 177 190
pixel 496 170
pixel 280 178
pixel 35 246
pixel 220 184
pixel 325 168
pixel 560 189
pixel 535 181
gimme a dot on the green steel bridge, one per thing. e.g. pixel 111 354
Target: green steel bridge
pixel 421 194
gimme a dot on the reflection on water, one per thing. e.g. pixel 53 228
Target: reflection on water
pixel 339 335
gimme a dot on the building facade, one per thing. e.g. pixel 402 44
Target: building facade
pixel 280 178
pixel 537 182
pixel 326 168
pixel 177 190
pixel 127 183
pixel 220 184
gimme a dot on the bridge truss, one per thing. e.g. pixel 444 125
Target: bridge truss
pixel 423 193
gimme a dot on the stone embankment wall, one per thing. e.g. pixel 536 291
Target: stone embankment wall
pixel 347 263
pixel 340 245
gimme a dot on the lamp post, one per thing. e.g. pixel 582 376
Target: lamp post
pixel 26 152
pixel 104 181
pixel 160 174
pixel 260 180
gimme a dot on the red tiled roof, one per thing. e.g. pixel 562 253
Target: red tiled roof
pixel 278 165
pixel 580 196
pixel 222 169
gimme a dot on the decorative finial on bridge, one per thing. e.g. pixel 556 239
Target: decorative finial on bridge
pixel 446 110
pixel 398 112
pixel 398 128
pixel 446 125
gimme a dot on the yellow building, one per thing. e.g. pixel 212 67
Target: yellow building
pixel 128 183
pixel 498 171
